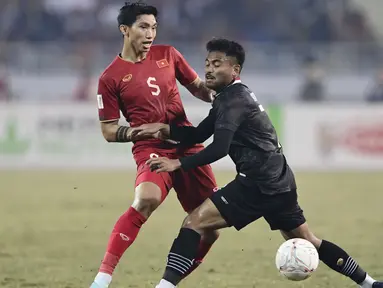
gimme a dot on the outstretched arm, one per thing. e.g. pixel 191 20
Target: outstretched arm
pixel 186 135
pixel 218 149
pixel 213 152
pixel 229 117
pixel 190 135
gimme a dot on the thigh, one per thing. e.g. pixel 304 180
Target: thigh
pixel 238 204
pixel 162 180
pixel 193 187
pixel 283 212
pixel 204 218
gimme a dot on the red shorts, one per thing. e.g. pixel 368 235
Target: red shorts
pixel 192 187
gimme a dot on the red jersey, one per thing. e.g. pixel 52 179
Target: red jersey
pixel 146 91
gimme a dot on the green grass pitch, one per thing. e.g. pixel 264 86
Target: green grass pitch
pixel 54 226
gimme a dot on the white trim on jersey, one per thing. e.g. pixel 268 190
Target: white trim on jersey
pixel 235 82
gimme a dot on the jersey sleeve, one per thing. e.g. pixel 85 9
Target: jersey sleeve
pixel 192 135
pixel 218 149
pixel 184 73
pixel 230 113
pixel 108 108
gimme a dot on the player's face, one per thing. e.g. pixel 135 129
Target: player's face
pixel 142 33
pixel 219 70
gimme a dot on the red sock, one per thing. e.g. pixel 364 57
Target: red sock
pixel 123 235
pixel 203 249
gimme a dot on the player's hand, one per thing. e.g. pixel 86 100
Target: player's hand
pixel 163 164
pixel 133 135
pixel 155 130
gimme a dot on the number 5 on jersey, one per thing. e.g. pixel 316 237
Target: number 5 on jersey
pixel 150 82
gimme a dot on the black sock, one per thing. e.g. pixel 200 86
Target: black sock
pixel 338 259
pixel 181 255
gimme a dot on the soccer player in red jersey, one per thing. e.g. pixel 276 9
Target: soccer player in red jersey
pixel 141 83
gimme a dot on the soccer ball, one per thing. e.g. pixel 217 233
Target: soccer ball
pixel 297 259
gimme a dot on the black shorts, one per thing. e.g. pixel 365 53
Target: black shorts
pixel 241 205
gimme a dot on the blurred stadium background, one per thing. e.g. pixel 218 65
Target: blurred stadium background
pixel 317 65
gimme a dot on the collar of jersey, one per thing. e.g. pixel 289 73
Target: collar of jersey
pixel 236 81
pixel 129 62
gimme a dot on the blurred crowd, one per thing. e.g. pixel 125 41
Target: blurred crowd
pixel 78 38
pixel 252 20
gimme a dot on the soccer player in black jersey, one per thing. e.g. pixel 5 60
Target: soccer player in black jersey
pixel 265 184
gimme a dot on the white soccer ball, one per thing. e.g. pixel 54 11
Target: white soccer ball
pixel 297 259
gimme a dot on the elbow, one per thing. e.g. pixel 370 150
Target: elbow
pixel 108 136
pixel 109 130
pixel 109 139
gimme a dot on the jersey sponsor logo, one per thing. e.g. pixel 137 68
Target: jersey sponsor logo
pixel 127 78
pixel 153 155
pixel 162 63
pixel 224 200
pixel 124 237
pixel 100 103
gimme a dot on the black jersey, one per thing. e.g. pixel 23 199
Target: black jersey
pixel 242 129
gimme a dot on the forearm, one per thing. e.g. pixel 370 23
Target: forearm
pixel 190 135
pixel 207 156
pixel 200 91
pixel 213 152
pixel 113 132
pixel 184 134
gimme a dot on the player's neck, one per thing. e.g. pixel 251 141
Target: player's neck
pixel 129 54
pixel 234 81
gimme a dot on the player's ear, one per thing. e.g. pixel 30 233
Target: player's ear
pixel 236 70
pixel 124 30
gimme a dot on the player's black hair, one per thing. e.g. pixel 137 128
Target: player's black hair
pixel 230 48
pixel 130 11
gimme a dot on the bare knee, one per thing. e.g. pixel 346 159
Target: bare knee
pixel 198 220
pixel 303 232
pixel 209 236
pixel 205 219
pixel 147 198
pixel 194 221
